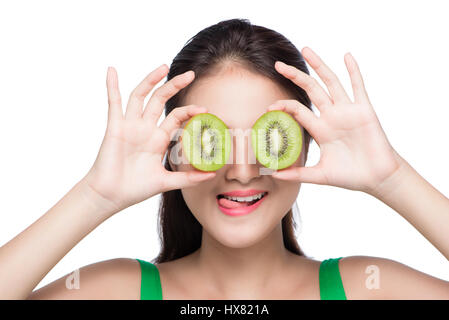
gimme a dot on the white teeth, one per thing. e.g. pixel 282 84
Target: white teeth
pixel 246 199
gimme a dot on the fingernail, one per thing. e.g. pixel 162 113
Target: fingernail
pixel 281 64
pixel 307 48
pixel 109 73
pixel 286 69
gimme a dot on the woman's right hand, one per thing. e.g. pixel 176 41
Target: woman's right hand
pixel 128 168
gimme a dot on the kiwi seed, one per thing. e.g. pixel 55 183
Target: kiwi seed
pixel 206 142
pixel 277 139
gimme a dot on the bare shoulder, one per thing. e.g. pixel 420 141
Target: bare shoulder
pixel 366 277
pixel 179 278
pixel 110 279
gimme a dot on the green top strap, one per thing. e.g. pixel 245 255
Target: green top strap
pixel 150 283
pixel 331 286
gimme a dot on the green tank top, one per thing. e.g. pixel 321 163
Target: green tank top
pixel 331 286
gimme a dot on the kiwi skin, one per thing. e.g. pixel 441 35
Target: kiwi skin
pixel 197 129
pixel 283 152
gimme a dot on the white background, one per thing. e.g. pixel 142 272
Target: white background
pixel 53 61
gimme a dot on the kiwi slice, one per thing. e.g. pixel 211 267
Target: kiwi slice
pixel 206 142
pixel 277 139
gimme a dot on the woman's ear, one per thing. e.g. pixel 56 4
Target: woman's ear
pixel 307 147
pixel 171 166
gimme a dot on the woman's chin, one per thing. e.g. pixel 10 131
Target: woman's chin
pixel 238 238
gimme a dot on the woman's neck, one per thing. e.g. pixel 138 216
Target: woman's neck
pixel 242 273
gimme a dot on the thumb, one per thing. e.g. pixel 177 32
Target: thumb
pixel 303 174
pixel 179 180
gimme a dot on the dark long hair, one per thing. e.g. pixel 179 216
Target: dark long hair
pixel 257 49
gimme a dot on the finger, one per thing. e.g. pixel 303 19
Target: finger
pixel 161 95
pixel 358 87
pixel 306 118
pixel 185 179
pixel 177 116
pixel 333 84
pixel 317 94
pixel 137 96
pixel 302 174
pixel 114 100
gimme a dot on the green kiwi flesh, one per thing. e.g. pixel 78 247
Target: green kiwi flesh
pixel 277 139
pixel 206 142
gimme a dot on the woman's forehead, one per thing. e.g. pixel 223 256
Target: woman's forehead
pixel 238 98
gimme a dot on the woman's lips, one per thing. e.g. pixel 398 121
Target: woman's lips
pixel 235 208
pixel 233 204
pixel 243 193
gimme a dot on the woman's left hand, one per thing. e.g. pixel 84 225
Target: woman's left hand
pixel 355 152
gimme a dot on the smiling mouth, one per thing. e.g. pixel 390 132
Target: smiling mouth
pixel 238 202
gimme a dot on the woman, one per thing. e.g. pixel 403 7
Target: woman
pixel 205 253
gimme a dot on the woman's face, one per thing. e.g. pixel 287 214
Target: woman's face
pixel 238 97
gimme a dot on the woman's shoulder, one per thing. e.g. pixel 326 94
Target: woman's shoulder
pixel 362 277
pixel 117 278
pixel 368 277
pixel 358 274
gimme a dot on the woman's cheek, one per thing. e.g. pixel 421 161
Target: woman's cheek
pixel 190 196
pixel 286 194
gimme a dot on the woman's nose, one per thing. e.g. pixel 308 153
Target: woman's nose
pixel 243 165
